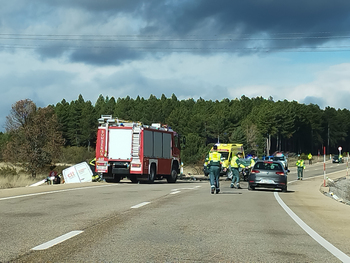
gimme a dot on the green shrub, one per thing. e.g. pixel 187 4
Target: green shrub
pixel 303 156
pixel 75 154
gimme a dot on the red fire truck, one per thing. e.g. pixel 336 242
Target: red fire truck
pixel 138 152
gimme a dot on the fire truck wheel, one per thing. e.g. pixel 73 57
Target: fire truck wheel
pixel 173 177
pixel 152 175
pixel 133 179
pixel 116 179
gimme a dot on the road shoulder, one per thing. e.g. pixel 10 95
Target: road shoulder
pixel 326 216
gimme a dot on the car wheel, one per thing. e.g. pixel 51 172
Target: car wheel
pixel 251 187
pixel 284 189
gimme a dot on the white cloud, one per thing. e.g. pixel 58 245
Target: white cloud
pixel 332 85
pixel 186 75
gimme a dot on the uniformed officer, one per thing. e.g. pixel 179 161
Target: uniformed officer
pixel 95 176
pixel 252 162
pixel 214 166
pixel 236 162
pixel 300 167
pixel 310 158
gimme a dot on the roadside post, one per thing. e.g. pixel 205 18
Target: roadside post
pixel 324 166
pixel 347 166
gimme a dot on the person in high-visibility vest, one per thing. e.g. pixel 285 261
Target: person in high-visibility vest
pixel 300 167
pixel 252 162
pixel 95 176
pixel 236 162
pixel 340 158
pixel 310 158
pixel 214 166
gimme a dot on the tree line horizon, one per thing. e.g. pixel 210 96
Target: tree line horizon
pixel 292 127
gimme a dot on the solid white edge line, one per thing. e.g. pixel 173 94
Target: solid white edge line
pixel 57 240
pixel 139 205
pixel 52 192
pixel 176 192
pixel 323 242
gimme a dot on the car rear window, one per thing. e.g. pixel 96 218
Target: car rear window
pixel 268 166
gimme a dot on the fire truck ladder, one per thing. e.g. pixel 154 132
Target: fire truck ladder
pixel 136 145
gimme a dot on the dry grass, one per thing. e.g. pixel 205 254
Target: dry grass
pixel 19 180
pixel 12 176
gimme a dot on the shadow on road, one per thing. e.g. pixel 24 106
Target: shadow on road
pixel 270 190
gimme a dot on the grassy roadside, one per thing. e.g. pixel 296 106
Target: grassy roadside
pixel 12 176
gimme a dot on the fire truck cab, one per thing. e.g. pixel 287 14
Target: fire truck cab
pixel 135 151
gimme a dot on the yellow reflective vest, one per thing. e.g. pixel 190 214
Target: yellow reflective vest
pixel 236 162
pixel 252 162
pixel 93 161
pixel 214 158
pixel 300 163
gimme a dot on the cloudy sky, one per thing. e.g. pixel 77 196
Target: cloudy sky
pixel 57 49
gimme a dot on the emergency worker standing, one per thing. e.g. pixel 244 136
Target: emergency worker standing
pixel 236 162
pixel 310 158
pixel 95 176
pixel 300 167
pixel 92 164
pixel 214 166
pixel 252 162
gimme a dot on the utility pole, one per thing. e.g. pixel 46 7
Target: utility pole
pixel 328 139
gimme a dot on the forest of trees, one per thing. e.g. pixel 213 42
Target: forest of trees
pixel 292 127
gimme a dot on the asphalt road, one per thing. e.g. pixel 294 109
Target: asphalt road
pixel 161 222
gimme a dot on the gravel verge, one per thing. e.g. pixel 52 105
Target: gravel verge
pixel 339 189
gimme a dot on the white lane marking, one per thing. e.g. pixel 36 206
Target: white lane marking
pixel 57 240
pixel 323 242
pixel 52 192
pixel 311 177
pixel 187 188
pixel 176 191
pixel 139 205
